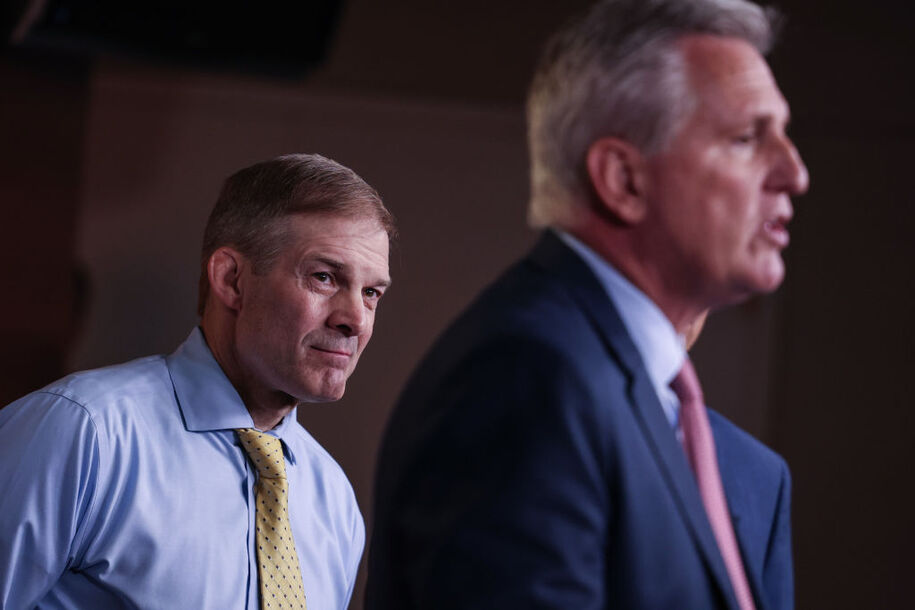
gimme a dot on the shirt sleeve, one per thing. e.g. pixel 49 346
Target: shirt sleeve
pixel 357 545
pixel 49 465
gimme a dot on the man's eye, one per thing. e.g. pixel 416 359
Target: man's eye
pixel 321 276
pixel 372 293
pixel 745 138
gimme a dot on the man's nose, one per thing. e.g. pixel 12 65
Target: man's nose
pixel 789 174
pixel 349 314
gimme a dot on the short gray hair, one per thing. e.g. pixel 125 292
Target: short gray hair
pixel 249 212
pixel 615 71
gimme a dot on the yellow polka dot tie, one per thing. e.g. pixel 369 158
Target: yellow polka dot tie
pixel 277 562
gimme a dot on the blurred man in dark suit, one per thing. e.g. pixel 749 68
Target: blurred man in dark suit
pixel 553 450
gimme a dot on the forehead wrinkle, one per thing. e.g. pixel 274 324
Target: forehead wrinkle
pixel 330 262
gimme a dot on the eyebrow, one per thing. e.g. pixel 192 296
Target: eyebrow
pixel 337 265
pixel 784 118
pixel 330 262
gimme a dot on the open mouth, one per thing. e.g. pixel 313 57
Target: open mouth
pixel 776 231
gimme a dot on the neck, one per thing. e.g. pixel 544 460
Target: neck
pixel 268 418
pixel 617 245
pixel 267 407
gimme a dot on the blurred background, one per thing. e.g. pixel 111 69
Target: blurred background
pixel 118 125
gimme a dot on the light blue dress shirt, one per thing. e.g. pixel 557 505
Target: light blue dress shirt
pixel 126 487
pixel 655 338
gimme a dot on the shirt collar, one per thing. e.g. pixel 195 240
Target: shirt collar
pixel 658 343
pixel 207 399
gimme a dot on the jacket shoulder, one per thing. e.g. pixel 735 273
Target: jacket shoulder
pixel 737 447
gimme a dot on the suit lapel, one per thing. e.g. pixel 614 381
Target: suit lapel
pixel 745 540
pixel 748 539
pixel 554 256
pixel 679 477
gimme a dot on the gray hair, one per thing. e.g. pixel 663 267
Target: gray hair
pixel 615 71
pixel 249 212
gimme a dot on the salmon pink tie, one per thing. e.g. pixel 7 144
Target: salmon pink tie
pixel 700 449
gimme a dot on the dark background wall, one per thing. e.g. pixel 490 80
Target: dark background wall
pixel 110 165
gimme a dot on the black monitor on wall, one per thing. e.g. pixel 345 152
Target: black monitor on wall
pixel 286 37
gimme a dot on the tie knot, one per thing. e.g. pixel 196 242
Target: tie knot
pixel 686 385
pixel 264 451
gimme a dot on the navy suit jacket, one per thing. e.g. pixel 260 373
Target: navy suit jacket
pixel 529 464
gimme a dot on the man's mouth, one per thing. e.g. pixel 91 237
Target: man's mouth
pixel 776 231
pixel 332 351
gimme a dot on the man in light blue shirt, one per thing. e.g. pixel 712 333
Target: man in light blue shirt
pixel 127 487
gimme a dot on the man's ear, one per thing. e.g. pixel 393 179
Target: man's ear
pixel 224 272
pixel 617 172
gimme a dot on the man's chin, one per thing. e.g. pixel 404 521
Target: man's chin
pixel 321 383
pixel 752 286
pixel 772 277
pixel 324 392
